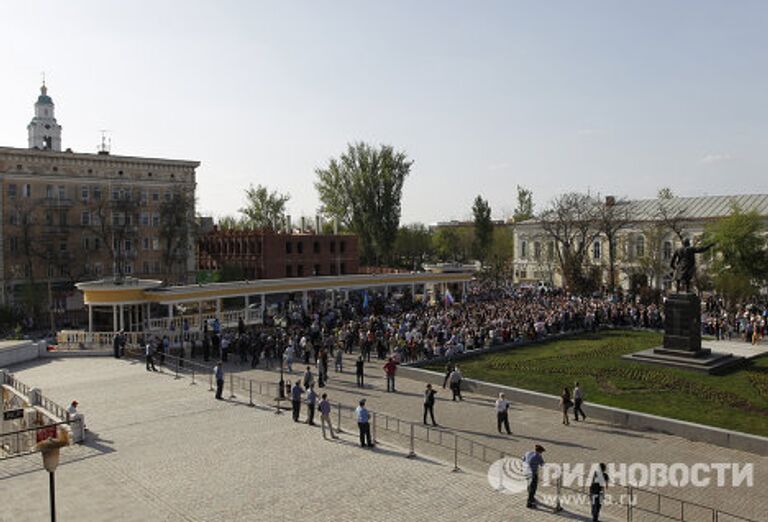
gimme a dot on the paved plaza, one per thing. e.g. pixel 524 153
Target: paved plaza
pixel 161 449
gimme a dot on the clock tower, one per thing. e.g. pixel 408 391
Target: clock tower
pixel 44 132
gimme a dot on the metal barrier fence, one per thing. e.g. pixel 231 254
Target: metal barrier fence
pixel 47 404
pixel 22 442
pixel 637 504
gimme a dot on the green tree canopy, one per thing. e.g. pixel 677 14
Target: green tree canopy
pixel 740 260
pixel 264 210
pixel 524 208
pixel 412 246
pixel 481 212
pixel 362 189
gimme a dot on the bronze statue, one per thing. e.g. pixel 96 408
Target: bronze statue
pixel 684 264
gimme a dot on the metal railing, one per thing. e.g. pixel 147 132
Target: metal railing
pixel 23 442
pixel 463 452
pixel 56 410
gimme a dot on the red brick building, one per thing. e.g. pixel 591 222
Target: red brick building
pixel 267 255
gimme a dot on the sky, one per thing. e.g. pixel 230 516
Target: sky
pixel 617 98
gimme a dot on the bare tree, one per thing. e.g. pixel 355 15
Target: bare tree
pixel 115 223
pixel 571 221
pixel 178 232
pixel 612 217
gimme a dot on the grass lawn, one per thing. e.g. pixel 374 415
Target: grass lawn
pixel 737 401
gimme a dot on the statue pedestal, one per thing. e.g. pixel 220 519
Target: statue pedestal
pixel 682 340
pixel 682 327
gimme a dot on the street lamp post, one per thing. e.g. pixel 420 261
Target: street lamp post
pixel 281 386
pixel 50 449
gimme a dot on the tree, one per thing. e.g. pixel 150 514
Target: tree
pixel 500 254
pixel 362 189
pixel 412 246
pixel 481 211
pixel 740 259
pixel 612 217
pixel 265 210
pixel 524 208
pixel 178 233
pixel 571 222
pixel 233 223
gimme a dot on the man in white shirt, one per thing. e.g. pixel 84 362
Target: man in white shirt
pixel 502 413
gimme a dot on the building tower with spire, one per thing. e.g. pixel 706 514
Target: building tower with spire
pixel 44 132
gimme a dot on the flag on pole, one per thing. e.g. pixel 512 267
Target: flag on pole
pixel 448 297
pixel 365 299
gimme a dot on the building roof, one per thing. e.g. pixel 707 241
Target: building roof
pixel 700 207
pixel 688 208
pixel 104 158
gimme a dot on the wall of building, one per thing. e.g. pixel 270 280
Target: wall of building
pixel 56 198
pixel 277 255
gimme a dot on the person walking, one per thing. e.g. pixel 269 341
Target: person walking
pixel 532 461
pixel 311 402
pixel 596 491
pixel 296 392
pixel 448 372
pixel 363 425
pixel 308 378
pixel 218 373
pixel 502 413
pixel 565 404
pixel 116 341
pixel 578 399
pixel 148 357
pixel 339 360
pixel 360 371
pixel 429 404
pixel 455 382
pixel 389 369
pixel 325 415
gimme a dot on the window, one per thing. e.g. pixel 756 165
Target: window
pixel 332 269
pixel 145 219
pixel 85 218
pixel 288 247
pixel 97 193
pixel 116 219
pixel 288 271
pixel 316 247
pixel 97 268
pixel 84 193
pixel 342 268
pixel 128 245
pixel 596 250
pixel 49 191
pixel 144 197
pixel 342 246
pixel 640 246
pixel 129 268
pixel 146 244
pixel 96 244
pixel 666 250
pixel 155 244
pixel 536 250
pixel 145 267
pixel 156 267
pixel 333 247
pixel 86 243
pixel 300 248
pixel 523 248
pixel 48 217
pixel 155 220
pixel 14 244
pixel 27 190
pixel 550 250
pixel 316 270
pixel 62 192
pixel 155 196
pixel 115 193
pixel 63 246
pixel 168 196
pixel 63 217
pixel 300 270
pixel 12 191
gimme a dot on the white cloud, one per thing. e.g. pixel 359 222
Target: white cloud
pixel 715 158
